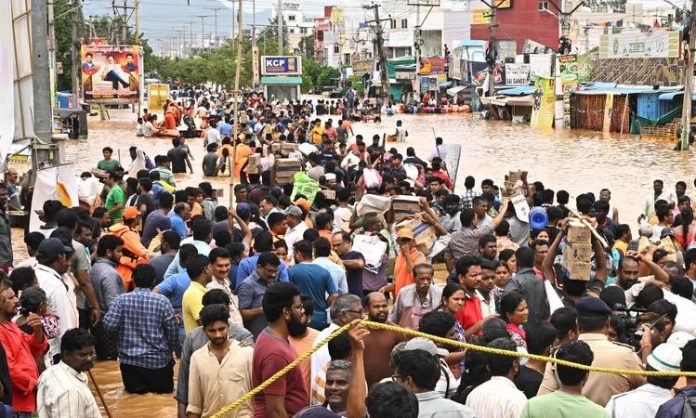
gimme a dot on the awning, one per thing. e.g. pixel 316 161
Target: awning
pixel 455 90
pixel 508 101
pixel 516 91
pixel 281 81
pixel 445 85
pixel 671 95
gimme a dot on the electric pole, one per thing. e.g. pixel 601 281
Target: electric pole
pixel 380 51
pixel 202 32
pixel 492 52
pixel 235 96
pixel 75 50
pixel 124 23
pixel 280 27
pixel 688 81
pixel 215 10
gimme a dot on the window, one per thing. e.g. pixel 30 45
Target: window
pixel 291 18
pixel 336 49
pixel 303 30
pixel 404 23
pixel 291 30
pixel 543 5
pixel 392 23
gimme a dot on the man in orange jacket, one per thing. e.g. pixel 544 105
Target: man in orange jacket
pixel 134 252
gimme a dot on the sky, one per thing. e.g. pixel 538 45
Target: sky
pixel 159 18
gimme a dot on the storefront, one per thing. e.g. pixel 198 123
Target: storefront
pixel 281 77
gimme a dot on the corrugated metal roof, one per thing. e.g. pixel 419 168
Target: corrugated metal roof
pixel 517 91
pixel 620 89
pixel 672 95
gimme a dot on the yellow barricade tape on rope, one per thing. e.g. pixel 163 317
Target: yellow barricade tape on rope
pixel 445 341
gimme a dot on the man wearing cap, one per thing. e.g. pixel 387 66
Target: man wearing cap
pixel 134 252
pixel 53 261
pixel 645 401
pixel 593 321
pixel 296 228
pixel 417 299
pixel 681 404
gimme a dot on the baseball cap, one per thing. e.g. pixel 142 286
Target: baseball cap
pixel 679 339
pixel 646 230
pixel 420 343
pixel 294 211
pixel 404 233
pixel 665 358
pixel 588 305
pixel 667 232
pixel 53 247
pixel 131 212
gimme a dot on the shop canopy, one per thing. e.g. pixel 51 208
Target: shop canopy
pixel 455 90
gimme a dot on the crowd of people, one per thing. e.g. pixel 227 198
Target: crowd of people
pixel 160 273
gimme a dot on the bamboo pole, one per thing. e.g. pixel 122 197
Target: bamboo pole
pixel 235 96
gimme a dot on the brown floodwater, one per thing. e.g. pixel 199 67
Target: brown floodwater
pixel 577 161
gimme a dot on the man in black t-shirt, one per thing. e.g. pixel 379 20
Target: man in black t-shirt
pixel 178 156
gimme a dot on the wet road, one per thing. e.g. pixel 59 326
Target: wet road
pixel 576 161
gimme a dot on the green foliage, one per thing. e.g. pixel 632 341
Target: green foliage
pixel 326 74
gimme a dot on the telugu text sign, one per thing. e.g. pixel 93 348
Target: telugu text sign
pixel 663 44
pixel 110 73
pixel 281 65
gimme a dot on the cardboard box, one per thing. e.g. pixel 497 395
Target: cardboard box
pixel 330 194
pixel 579 271
pixel 424 233
pixel 285 170
pixel 288 147
pixel 578 232
pixel 403 206
pixel 254 164
pixel 577 253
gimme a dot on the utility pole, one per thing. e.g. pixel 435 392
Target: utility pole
pixel 190 51
pixel 380 51
pixel 202 31
pixel 254 49
pixel 75 50
pixel 215 10
pixel 280 28
pixel 492 52
pixel 43 148
pixel 124 23
pixel 688 81
pixel 235 97
pixel 140 55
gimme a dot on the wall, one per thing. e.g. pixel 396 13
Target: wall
pixel 640 71
pixel 523 21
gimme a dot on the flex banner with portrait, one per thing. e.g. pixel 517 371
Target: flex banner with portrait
pixel 543 107
pixel 110 73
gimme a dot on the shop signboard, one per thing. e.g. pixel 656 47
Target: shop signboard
pixel 517 74
pixel 111 74
pixel 281 65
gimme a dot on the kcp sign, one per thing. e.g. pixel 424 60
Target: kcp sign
pixel 279 65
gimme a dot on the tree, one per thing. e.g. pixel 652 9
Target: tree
pixel 307 46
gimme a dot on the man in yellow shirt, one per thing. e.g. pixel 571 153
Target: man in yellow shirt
pixel 198 269
pixel 317 132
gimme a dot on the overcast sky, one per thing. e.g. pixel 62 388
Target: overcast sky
pixel 160 18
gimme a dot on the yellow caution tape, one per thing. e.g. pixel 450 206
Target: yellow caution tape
pixel 444 341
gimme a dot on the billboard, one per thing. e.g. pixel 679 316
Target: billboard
pixel 663 44
pixel 432 65
pixel 110 73
pixel 281 65
pixel 543 107
pixel 479 72
pixel 568 69
pixel 517 74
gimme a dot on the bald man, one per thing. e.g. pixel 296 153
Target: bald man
pixel 379 344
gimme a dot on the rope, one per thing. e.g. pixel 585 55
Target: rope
pixel 280 373
pixel 444 341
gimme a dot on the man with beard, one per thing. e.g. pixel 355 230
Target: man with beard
pixel 253 288
pixel 21 349
pixel 108 285
pixel 215 365
pixel 304 342
pixel 451 219
pixel 63 389
pixel 288 395
pixel 379 344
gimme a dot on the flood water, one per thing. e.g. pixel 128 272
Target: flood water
pixel 577 161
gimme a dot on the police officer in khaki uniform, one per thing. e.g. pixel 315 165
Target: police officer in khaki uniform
pixel 593 321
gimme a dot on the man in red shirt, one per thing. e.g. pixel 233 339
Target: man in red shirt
pixel 470 317
pixel 288 395
pixel 21 349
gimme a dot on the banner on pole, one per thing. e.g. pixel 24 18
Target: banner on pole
pixel 53 183
pixel 110 73
pixel 543 108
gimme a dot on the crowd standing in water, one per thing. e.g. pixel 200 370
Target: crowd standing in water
pixel 329 228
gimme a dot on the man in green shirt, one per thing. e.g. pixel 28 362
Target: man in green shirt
pixel 567 401
pixel 108 164
pixel 116 199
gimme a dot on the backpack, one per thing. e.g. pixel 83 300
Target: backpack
pixel 689 409
pixel 148 162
